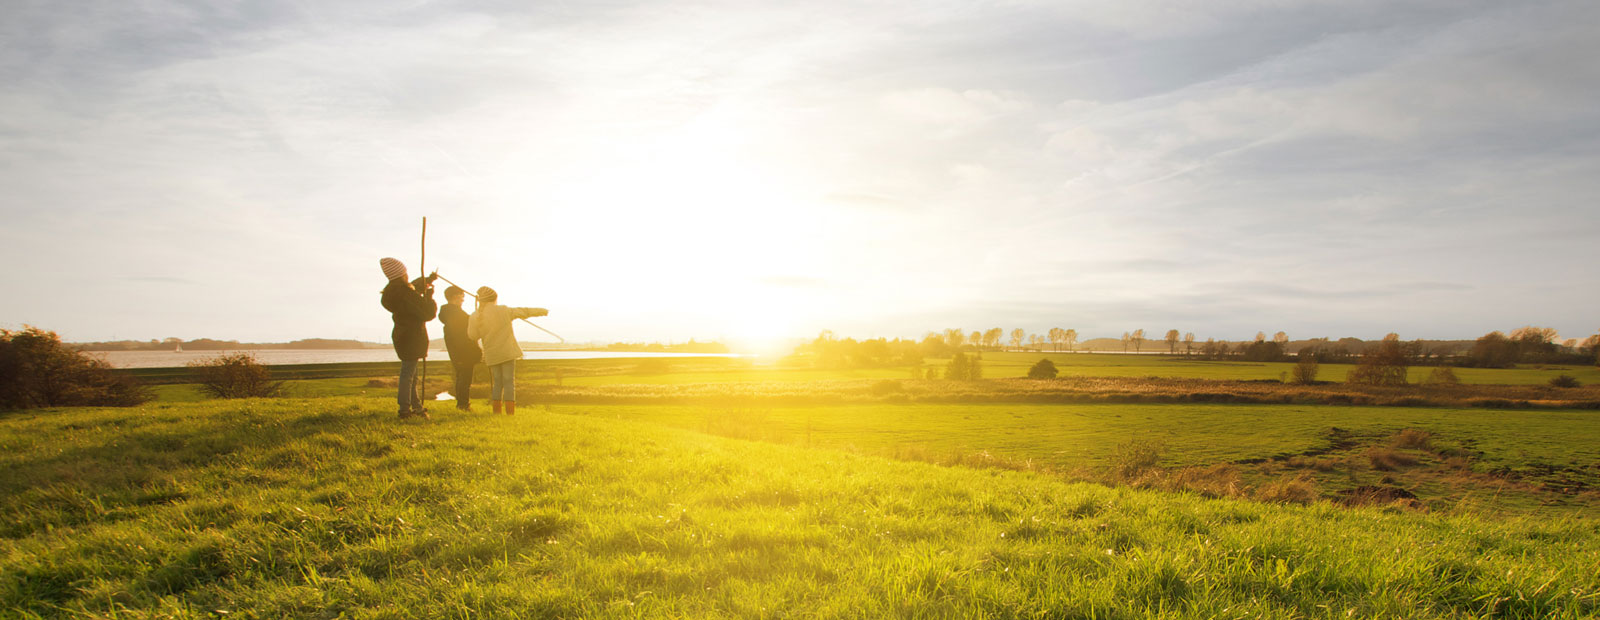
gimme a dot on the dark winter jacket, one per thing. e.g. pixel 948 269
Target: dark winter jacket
pixel 463 350
pixel 412 311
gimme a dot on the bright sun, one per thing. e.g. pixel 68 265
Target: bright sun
pixel 684 219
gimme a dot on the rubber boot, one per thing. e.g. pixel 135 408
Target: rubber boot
pixel 495 406
pixel 511 407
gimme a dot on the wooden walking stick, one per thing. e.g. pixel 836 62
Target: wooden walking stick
pixel 422 386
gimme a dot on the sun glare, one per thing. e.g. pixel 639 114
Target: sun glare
pixel 681 221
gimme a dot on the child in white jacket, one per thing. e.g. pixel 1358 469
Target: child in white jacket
pixel 491 323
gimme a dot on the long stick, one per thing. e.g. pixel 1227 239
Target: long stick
pixel 422 388
pixel 475 296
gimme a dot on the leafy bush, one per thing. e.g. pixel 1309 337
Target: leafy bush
pixel 1564 381
pixel 235 376
pixel 36 370
pixel 963 368
pixel 1043 369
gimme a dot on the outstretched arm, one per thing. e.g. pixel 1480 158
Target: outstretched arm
pixel 523 313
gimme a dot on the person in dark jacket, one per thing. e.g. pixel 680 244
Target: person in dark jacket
pixel 464 352
pixel 412 305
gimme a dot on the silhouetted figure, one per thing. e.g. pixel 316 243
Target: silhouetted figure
pixel 491 323
pixel 412 306
pixel 464 351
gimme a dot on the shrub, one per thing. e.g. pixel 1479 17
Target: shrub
pixel 1564 381
pixel 1132 459
pixel 884 387
pixel 1442 375
pixel 1305 369
pixel 235 376
pixel 1384 365
pixel 36 370
pixel 962 368
pixel 1043 369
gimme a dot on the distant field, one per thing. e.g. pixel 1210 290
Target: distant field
pixel 341 378
pixel 329 508
pixel 1511 460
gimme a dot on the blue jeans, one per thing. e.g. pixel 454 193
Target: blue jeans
pixel 407 396
pixel 502 381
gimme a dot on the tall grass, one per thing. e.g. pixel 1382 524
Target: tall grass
pixel 328 508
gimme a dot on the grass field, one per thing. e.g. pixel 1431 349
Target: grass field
pixel 329 508
pixel 1489 461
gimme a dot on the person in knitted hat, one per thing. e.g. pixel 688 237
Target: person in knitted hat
pixel 411 305
pixel 491 323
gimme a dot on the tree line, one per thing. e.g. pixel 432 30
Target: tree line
pixel 1526 345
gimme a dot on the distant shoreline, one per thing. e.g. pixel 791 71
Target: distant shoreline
pixel 290 357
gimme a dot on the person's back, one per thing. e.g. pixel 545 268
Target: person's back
pixel 464 351
pixel 491 323
pixel 493 327
pixel 410 306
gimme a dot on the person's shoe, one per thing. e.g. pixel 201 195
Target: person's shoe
pixel 464 408
pixel 495 405
pixel 511 407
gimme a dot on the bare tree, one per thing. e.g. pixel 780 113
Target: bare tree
pixel 954 337
pixel 1126 338
pixel 991 338
pixel 1281 338
pixel 1261 336
pixel 1055 338
pixel 1172 341
pixel 1016 337
pixel 1188 343
pixel 1138 340
pixel 1070 337
pixel 975 339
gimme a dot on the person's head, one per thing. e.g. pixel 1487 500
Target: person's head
pixel 455 294
pixel 486 295
pixel 393 269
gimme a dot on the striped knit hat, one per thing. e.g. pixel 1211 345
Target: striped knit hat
pixel 487 294
pixel 393 268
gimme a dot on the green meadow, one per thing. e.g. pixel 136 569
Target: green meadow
pixel 322 505
pixel 327 508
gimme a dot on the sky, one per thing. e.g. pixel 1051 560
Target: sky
pixel 753 171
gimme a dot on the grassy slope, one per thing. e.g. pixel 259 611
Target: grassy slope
pixel 314 508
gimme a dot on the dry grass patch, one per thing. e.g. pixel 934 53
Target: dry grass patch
pixel 1413 438
pixel 1296 490
pixel 1389 459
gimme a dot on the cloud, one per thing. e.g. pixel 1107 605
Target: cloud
pixel 1229 163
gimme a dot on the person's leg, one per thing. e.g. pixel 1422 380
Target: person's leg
pixel 511 387
pixel 495 388
pixel 463 386
pixel 500 384
pixel 406 391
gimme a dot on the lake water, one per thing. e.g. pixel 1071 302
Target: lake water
pixel 165 359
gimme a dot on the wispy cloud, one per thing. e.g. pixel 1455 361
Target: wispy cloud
pixel 1229 165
